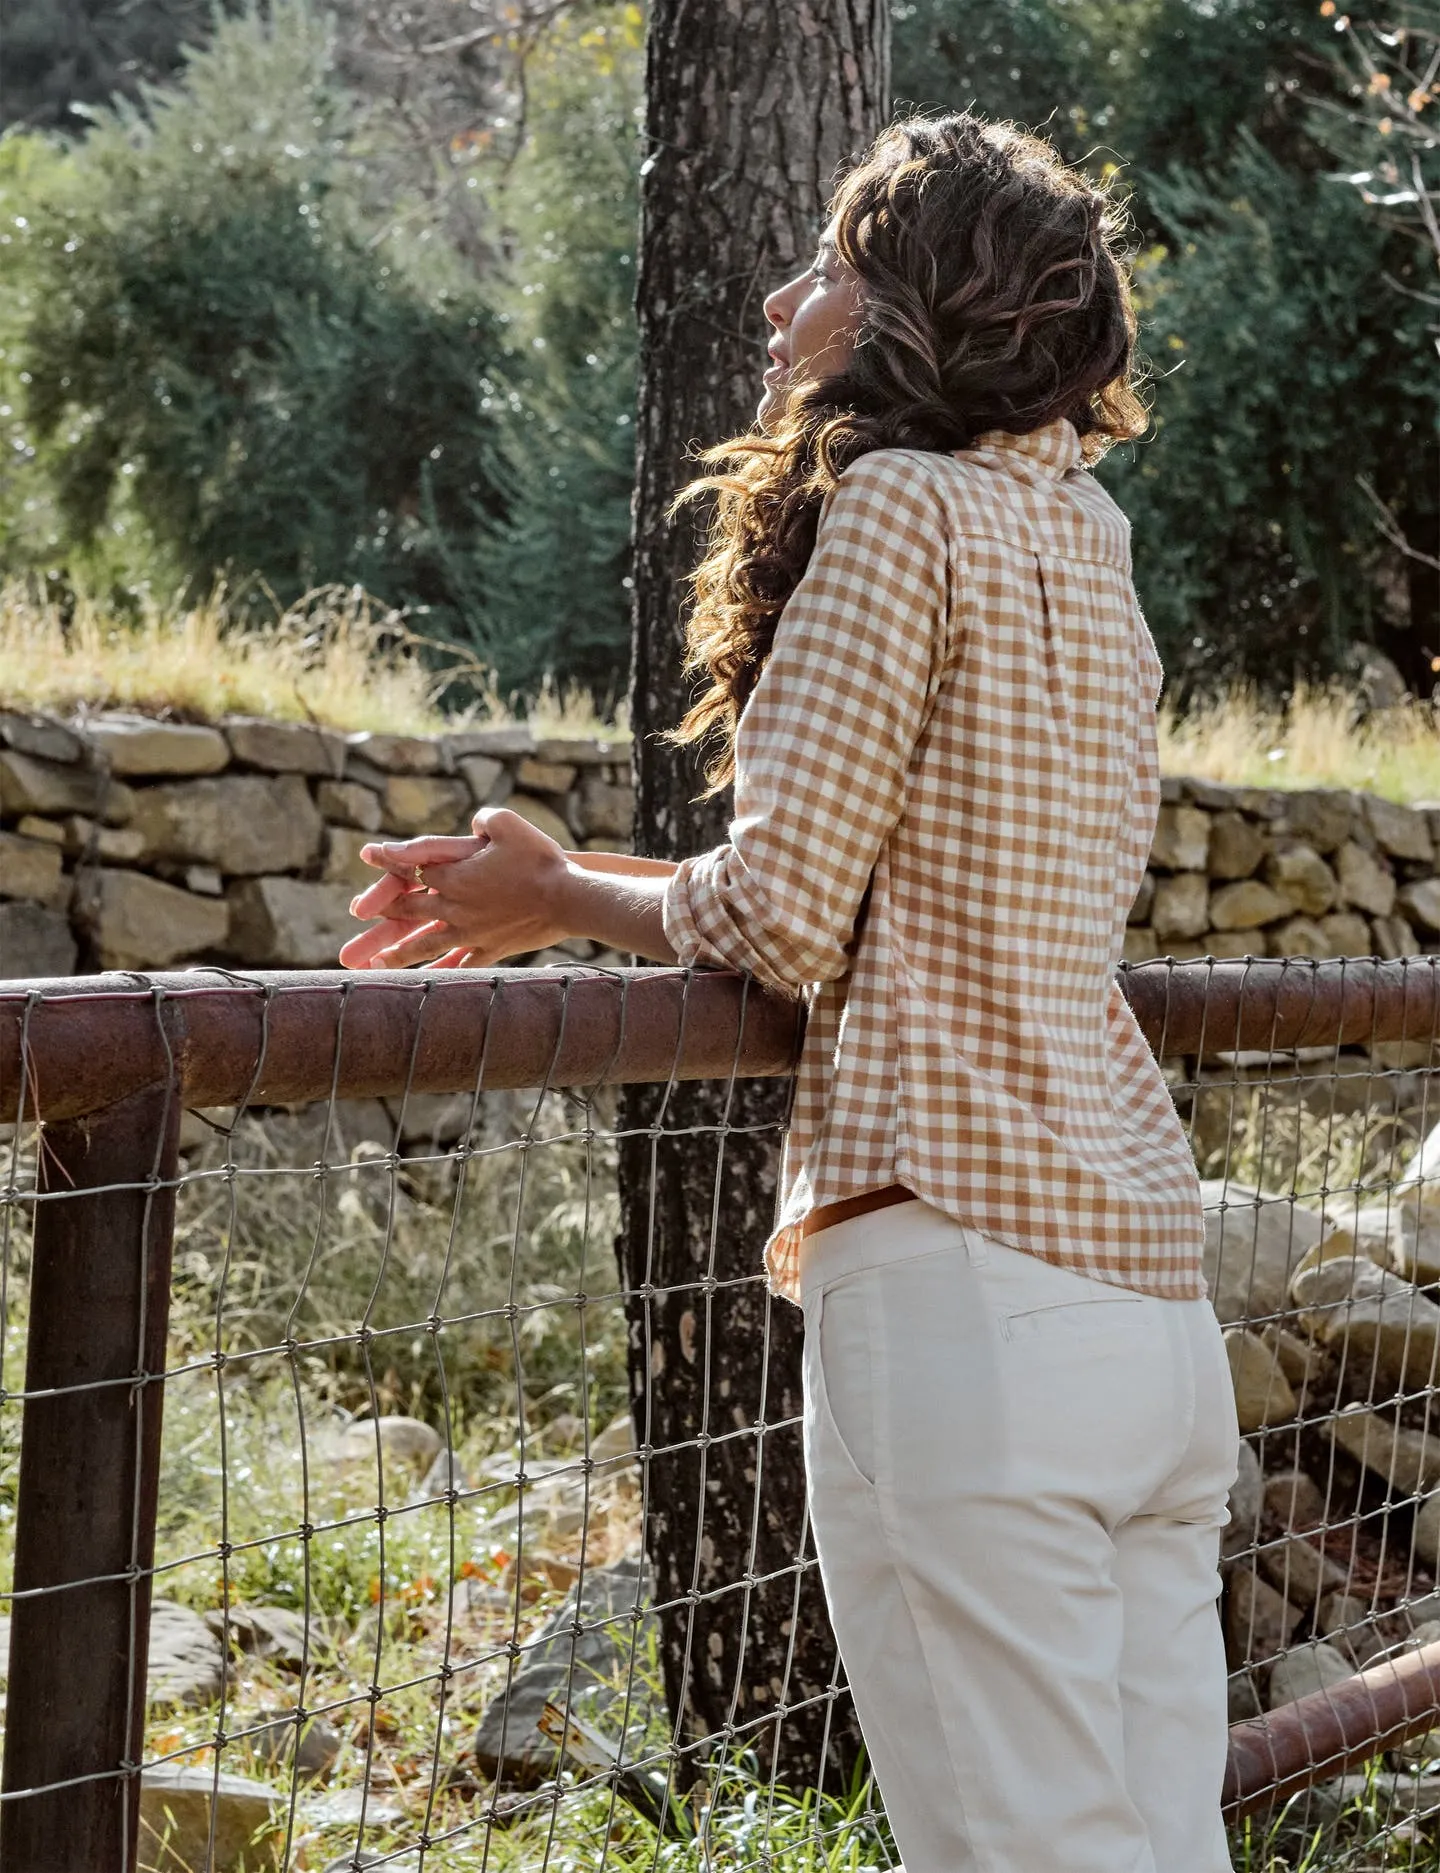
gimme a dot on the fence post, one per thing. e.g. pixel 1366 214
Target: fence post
pixel 89 1478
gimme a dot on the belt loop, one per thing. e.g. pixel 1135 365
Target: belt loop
pixel 976 1247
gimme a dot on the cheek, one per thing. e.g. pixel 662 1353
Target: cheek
pixel 821 334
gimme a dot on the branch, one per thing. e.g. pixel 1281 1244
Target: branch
pixel 1390 527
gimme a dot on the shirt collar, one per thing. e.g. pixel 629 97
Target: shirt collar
pixel 1051 451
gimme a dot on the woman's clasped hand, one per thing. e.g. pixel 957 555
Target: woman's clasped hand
pixel 463 902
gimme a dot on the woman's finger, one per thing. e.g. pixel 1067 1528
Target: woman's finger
pixel 456 959
pixel 362 949
pixel 401 856
pixel 416 946
pixel 377 898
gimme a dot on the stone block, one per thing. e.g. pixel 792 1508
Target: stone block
pixel 1262 1392
pixel 396 754
pixel 1246 1504
pixel 537 776
pixel 278 923
pixel 1313 1667
pixel 1140 945
pixel 605 808
pixel 1144 898
pixel 285 747
pixel 1298 1359
pixel 245 824
pixel 1266 803
pixel 204 879
pixel 41 736
pixel 1420 902
pixel 1182 839
pixel 137 745
pixel 540 815
pixel 1297 936
pixel 1426 1547
pixel 35 941
pixel 86 839
pixel 29 868
pixel 483 774
pixel 1402 831
pixel 1181 907
pixel 1365 880
pixel 1407 1461
pixel 415 803
pixel 1258 1620
pixel 1302 1570
pixel 1347 934
pixel 1208 793
pixel 1295 1500
pixel 1322 817
pixel 343 863
pixel 1245 905
pixel 136 922
pixel 346 803
pixel 1394 937
pixel 1302 877
pixel 510 743
pixel 31 826
pixel 29 785
pixel 582 750
pixel 1229 945
pixel 1237 846
pixel 1252 1245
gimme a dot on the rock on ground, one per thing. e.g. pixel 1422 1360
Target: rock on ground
pixel 187 1664
pixel 175 1820
pixel 509 1745
pixel 271 1632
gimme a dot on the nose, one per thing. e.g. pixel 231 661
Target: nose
pixel 779 307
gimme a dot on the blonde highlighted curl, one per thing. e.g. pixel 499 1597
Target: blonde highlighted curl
pixel 995 295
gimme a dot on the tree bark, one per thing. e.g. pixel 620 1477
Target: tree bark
pixel 751 106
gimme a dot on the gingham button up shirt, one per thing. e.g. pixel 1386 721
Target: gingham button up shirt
pixel 959 718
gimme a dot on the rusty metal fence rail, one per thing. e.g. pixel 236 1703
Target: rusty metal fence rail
pixel 371 1589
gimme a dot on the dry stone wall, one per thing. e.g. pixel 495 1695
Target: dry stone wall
pixel 127 843
pixel 1253 871
pixel 132 844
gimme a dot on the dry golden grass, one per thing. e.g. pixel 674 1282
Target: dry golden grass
pixel 1317 740
pixel 336 658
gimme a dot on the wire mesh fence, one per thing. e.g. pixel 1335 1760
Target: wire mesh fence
pixel 373 1589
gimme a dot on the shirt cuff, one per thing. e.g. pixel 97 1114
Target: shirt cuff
pixel 682 915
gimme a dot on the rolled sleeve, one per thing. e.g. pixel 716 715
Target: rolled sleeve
pixel 826 740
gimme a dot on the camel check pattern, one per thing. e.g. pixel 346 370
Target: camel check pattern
pixel 947 785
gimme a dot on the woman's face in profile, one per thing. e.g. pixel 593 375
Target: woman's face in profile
pixel 815 316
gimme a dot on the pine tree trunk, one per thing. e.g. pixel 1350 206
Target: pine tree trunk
pixel 750 107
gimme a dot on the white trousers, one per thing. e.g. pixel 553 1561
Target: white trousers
pixel 1018 1477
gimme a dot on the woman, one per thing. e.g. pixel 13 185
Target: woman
pixel 931 684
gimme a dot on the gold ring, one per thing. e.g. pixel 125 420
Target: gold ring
pixel 420 877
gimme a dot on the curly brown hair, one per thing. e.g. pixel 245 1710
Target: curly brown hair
pixel 994 295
